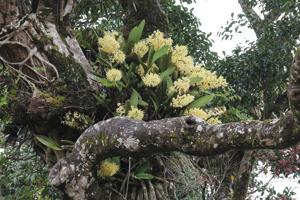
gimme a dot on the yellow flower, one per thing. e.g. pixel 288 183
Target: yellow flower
pixel 182 85
pixel 108 168
pixel 135 113
pixel 214 120
pixel 182 100
pixel 157 40
pixel 197 112
pixel 151 79
pixel 217 111
pixel 140 48
pixel 183 63
pixel 120 110
pixel 114 75
pixel 209 79
pixel 108 43
pixel 118 57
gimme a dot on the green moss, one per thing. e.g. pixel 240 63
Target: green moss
pixel 55 100
pixel 71 73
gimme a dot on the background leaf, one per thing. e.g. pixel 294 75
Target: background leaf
pixel 48 142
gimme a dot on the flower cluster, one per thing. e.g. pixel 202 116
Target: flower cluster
pixel 151 79
pixel 76 120
pixel 209 79
pixel 141 48
pixel 210 115
pixel 157 40
pixel 120 110
pixel 108 168
pixel 135 113
pixel 182 100
pixel 154 78
pixel 183 63
pixel 181 86
pixel 114 75
pixel 109 44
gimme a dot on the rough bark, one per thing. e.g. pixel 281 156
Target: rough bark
pixel 121 136
pixel 252 16
pixel 43 38
pixel 243 176
pixel 31 36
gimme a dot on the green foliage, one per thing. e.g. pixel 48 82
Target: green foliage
pixel 258 73
pixel 135 34
pixel 185 27
pixel 201 101
pixel 48 142
pixel 23 175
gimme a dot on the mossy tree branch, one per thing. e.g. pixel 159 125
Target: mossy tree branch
pixel 126 137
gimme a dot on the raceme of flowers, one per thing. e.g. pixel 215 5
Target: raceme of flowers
pixel 151 79
pixel 113 75
pixel 155 65
pixel 108 168
pixel 77 120
pixel 109 44
pixel 135 113
pixel 141 48
pixel 210 115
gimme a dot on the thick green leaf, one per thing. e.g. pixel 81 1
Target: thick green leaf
pixel 48 142
pixel 142 103
pixel 154 104
pixel 143 168
pixel 161 52
pixel 136 33
pixel 134 99
pixel 200 102
pixel 105 82
pixel 194 80
pixel 144 176
pixel 150 55
pixel 167 73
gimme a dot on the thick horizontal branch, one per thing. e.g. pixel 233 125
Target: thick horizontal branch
pixel 191 135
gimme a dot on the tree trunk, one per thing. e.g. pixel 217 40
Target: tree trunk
pixel 148 10
pixel 37 44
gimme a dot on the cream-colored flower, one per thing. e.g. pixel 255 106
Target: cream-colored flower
pixel 182 100
pixel 209 79
pixel 108 43
pixel 197 112
pixel 140 48
pixel 118 57
pixel 135 113
pixel 182 85
pixel 216 111
pixel 140 70
pixel 183 63
pixel 114 74
pixel 120 109
pixel 108 168
pixel 151 79
pixel 157 40
pixel 214 120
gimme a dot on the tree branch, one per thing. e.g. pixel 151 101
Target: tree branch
pixel 123 137
pixel 252 16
